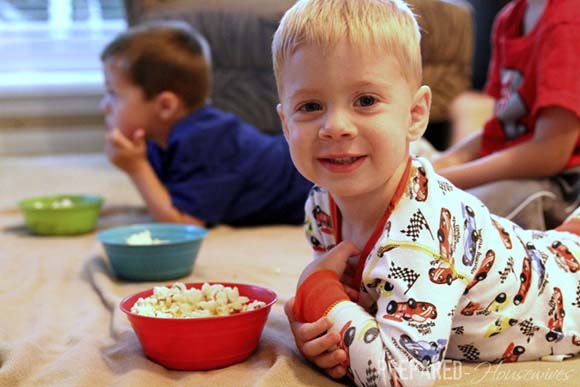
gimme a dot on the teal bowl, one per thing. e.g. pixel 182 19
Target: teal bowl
pixel 172 257
pixel 61 214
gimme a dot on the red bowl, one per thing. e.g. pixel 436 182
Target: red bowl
pixel 206 343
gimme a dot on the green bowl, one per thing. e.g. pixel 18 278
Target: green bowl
pixel 61 214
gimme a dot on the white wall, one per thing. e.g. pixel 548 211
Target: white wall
pixel 50 112
pixel 50 88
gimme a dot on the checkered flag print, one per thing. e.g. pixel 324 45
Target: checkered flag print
pixel 416 224
pixel 528 328
pixel 452 312
pixel 577 302
pixel 372 375
pixel 445 186
pixel 406 274
pixel 469 352
pixel 507 270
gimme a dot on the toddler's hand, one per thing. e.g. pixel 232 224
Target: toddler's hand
pixel 317 344
pixel 127 154
pixel 336 260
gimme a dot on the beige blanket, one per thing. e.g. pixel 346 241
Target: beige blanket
pixel 60 323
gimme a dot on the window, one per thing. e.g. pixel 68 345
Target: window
pixel 50 73
pixel 56 35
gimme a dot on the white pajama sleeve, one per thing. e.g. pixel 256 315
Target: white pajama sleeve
pixel 405 340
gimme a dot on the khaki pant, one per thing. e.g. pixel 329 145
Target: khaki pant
pixel 533 204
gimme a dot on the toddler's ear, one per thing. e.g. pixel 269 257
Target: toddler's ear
pixel 419 113
pixel 168 104
pixel 282 119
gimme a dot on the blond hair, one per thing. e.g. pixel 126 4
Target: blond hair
pixel 389 25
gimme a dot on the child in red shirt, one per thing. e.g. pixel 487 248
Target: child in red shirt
pixel 525 163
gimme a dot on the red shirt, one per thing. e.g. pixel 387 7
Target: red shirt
pixel 533 71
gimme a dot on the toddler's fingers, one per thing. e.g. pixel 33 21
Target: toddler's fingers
pixel 336 372
pixel 118 139
pixel 329 360
pixel 348 250
pixel 327 342
pixel 337 259
pixel 310 331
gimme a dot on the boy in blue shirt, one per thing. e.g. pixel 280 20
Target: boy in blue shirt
pixel 191 162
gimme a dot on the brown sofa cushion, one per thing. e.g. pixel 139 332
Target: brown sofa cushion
pixel 240 34
pixel 446 48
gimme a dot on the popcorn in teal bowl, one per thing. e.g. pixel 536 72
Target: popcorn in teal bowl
pixel 152 251
pixel 61 214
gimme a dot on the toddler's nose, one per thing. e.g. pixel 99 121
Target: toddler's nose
pixel 337 125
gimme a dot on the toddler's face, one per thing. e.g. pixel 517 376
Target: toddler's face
pixel 346 114
pixel 124 104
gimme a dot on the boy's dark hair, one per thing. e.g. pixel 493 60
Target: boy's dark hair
pixel 162 56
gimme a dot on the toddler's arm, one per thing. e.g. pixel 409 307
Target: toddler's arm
pixel 463 152
pixel 381 346
pixel 130 155
pixel 544 155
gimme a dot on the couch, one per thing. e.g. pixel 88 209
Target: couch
pixel 240 34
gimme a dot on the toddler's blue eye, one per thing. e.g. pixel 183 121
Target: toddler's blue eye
pixel 310 107
pixel 366 100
